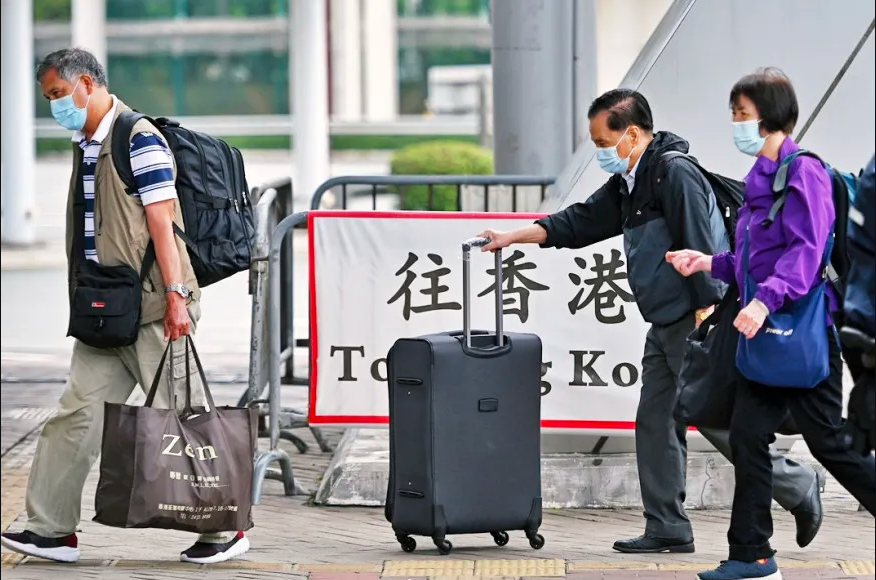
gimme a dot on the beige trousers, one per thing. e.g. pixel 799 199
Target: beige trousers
pixel 70 442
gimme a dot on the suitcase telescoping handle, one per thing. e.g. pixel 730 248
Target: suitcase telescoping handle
pixel 466 290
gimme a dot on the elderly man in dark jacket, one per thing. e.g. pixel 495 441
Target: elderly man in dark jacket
pixel 660 202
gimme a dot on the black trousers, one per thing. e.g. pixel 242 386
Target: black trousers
pixel 757 414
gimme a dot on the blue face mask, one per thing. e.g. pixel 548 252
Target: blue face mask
pixel 746 135
pixel 609 159
pixel 67 114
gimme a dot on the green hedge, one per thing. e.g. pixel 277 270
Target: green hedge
pixel 338 142
pixel 438 158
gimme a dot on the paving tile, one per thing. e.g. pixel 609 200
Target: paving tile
pixel 358 568
pixel 447 567
pixel 344 576
pixel 11 560
pixel 248 565
pixel 858 567
pixel 585 566
pixel 514 568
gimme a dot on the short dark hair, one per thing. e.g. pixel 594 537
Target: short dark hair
pixel 773 96
pixel 625 107
pixel 70 63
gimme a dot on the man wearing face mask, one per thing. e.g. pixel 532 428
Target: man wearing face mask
pixel 117 228
pixel 659 203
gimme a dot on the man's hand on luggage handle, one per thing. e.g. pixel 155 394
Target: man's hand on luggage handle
pixel 531 234
pixel 498 240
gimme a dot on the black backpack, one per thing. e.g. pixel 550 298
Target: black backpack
pixel 212 191
pixel 729 193
pixel 843 188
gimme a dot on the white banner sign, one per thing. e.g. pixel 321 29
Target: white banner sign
pixel 380 276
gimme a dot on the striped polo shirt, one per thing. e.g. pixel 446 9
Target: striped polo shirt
pixel 151 161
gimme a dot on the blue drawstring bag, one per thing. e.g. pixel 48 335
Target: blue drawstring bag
pixel 792 348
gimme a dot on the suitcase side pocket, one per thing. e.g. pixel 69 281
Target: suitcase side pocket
pixel 389 504
pixel 411 494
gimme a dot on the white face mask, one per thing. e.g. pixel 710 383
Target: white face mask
pixel 610 160
pixel 746 135
pixel 67 114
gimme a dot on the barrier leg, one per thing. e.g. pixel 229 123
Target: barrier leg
pixel 297 441
pixel 321 440
pixel 260 473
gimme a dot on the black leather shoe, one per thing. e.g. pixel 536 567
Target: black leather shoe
pixel 646 544
pixel 809 514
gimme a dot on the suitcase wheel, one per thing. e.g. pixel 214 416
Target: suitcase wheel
pixel 536 541
pixel 408 544
pixel 444 546
pixel 501 538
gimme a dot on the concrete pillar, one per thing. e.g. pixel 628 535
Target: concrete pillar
pixel 309 74
pixel 585 66
pixel 380 54
pixel 532 86
pixel 88 27
pixel 17 164
pixel 346 55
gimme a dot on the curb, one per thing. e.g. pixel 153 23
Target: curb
pixel 460 568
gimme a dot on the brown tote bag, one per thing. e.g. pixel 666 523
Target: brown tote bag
pixel 189 471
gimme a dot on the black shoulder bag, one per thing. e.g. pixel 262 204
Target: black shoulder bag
pixel 104 300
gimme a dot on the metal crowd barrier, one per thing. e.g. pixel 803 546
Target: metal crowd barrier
pixel 273 202
pixel 373 186
pixel 273 340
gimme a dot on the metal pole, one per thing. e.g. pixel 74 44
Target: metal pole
pixel 532 86
pixel 88 27
pixel 485 125
pixel 584 70
pixel 309 76
pixel 380 59
pixel 17 165
pixel 346 60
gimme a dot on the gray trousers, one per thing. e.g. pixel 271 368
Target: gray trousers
pixel 661 445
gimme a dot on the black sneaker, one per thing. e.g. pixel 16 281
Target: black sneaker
pixel 64 549
pixel 646 544
pixel 208 553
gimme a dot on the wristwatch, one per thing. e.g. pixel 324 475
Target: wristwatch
pixel 179 289
pixel 702 315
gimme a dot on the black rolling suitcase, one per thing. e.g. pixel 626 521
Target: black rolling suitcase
pixel 465 424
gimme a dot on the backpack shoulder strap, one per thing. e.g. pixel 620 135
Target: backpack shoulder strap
pixel 670 155
pixel 780 183
pixel 121 145
pixel 667 156
pixel 121 155
pixel 780 189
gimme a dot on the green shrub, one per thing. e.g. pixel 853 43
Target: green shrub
pixel 438 158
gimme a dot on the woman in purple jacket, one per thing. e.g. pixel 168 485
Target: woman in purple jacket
pixel 786 262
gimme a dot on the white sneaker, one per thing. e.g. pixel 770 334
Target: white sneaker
pixel 208 553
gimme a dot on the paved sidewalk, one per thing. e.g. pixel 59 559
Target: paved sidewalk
pixel 295 540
